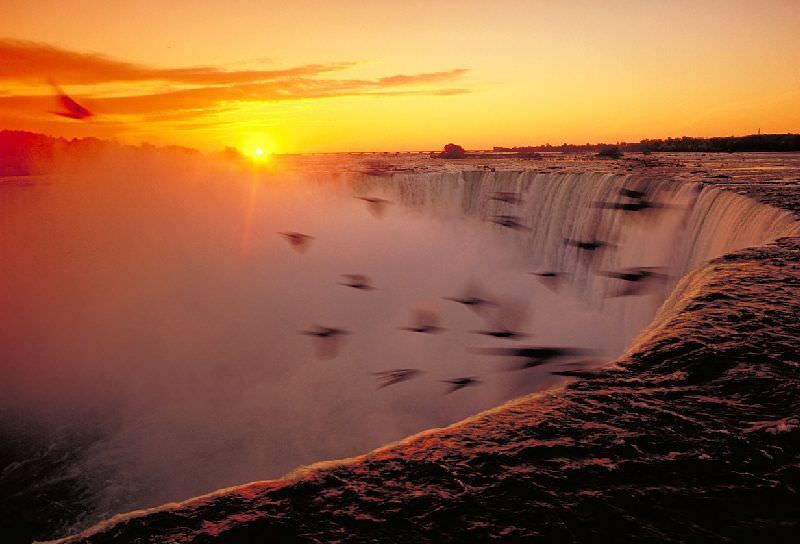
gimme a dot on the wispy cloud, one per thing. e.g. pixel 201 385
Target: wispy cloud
pixel 194 88
pixel 36 62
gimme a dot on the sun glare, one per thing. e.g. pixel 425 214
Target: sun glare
pixel 260 154
pixel 259 148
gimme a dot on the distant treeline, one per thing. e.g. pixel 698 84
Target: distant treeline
pixel 25 153
pixel 726 144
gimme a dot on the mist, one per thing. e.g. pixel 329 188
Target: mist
pixel 151 302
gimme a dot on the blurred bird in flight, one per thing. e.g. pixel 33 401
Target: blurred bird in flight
pixel 298 240
pixel 327 340
pixel 375 205
pixel 397 375
pixel 71 109
pixel 460 383
pixel 424 320
pixel 358 281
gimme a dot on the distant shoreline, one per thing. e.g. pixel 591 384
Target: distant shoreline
pixel 23 152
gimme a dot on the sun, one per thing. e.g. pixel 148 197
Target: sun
pixel 258 148
pixel 260 154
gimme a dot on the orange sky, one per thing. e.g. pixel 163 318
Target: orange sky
pixel 307 75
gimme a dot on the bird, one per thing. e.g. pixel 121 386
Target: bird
pixel 424 320
pixel 533 356
pixel 633 274
pixel 639 279
pixel 397 375
pixel 591 245
pixel 506 196
pixel 358 281
pixel 72 109
pixel 298 240
pixel 461 383
pixel 635 206
pixel 509 221
pixel 510 315
pixel 375 205
pixel 551 279
pixel 631 193
pixel 327 340
pixel 473 297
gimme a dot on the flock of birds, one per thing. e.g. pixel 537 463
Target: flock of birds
pixel 505 318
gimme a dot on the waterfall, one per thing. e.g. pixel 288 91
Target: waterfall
pixel 696 223
pixel 149 309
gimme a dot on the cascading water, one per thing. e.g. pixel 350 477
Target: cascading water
pixel 164 309
pixel 695 223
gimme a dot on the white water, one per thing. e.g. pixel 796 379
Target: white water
pixel 158 304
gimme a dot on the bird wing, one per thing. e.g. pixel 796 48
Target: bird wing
pixel 376 206
pixel 298 240
pixel 551 280
pixel 73 106
pixel 474 290
pixel 391 377
pixel 615 275
pixel 535 352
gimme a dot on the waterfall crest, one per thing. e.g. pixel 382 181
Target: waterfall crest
pixel 697 223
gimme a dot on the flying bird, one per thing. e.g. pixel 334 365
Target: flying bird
pixel 506 196
pixel 509 221
pixel 551 279
pixel 533 356
pixel 639 279
pixel 327 340
pixel 473 297
pixel 376 206
pixel 424 320
pixel 358 281
pixel 631 193
pixel 588 245
pixel 298 240
pixel 397 375
pixel 635 206
pixel 509 317
pixel 461 383
pixel 71 109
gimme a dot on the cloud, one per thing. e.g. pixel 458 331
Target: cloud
pixel 193 89
pixel 36 62
pixel 433 77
